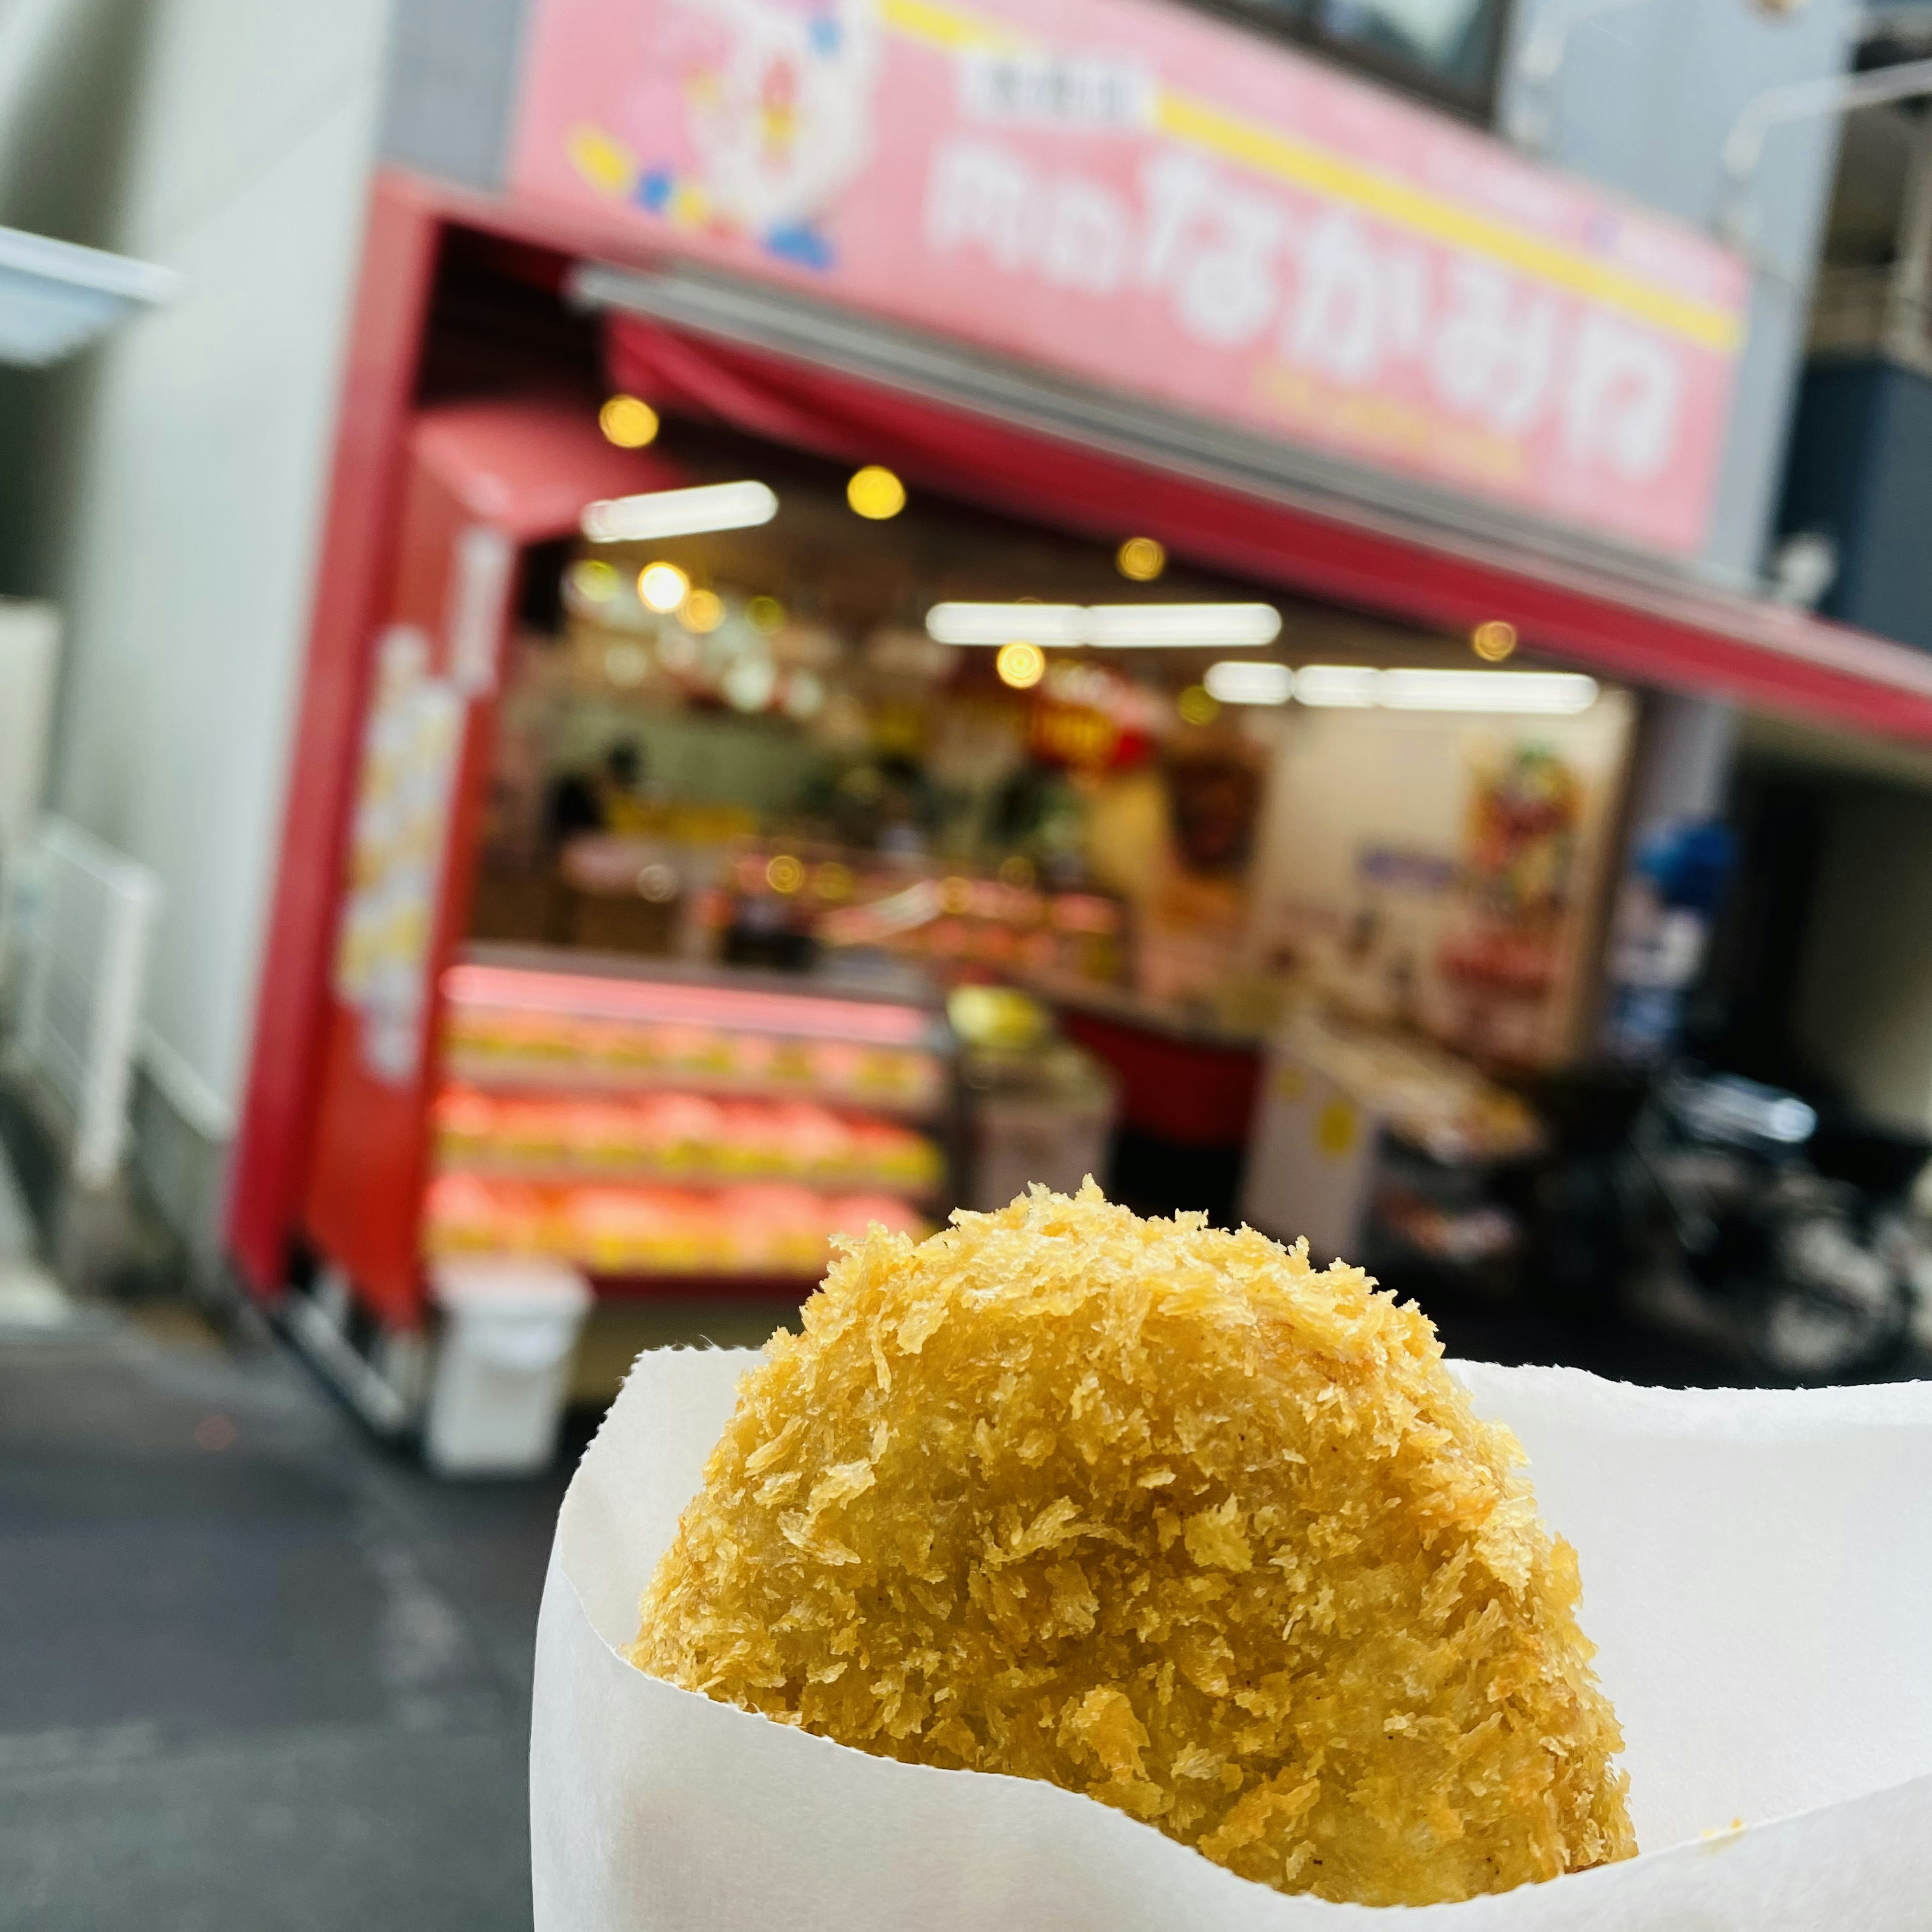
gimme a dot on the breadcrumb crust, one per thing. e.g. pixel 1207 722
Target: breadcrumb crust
pixel 1163 1515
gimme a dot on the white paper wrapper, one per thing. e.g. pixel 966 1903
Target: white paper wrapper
pixel 1757 1571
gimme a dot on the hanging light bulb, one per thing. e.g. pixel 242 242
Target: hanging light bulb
pixel 875 493
pixel 628 421
pixel 663 586
pixel 1021 666
pixel 704 611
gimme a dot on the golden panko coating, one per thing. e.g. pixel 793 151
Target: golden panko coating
pixel 1165 1515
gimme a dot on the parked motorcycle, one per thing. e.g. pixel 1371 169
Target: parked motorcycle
pixel 1708 1216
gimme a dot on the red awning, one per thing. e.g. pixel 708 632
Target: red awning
pixel 1683 637
pixel 527 467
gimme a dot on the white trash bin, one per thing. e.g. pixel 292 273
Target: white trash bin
pixel 509 1328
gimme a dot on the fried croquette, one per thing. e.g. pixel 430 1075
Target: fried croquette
pixel 1163 1515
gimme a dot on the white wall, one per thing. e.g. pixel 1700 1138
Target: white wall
pixel 203 449
pixel 1344 783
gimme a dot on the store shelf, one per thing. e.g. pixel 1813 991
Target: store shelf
pixel 547 980
pixel 748 1228
pixel 531 1021
pixel 664 1127
pixel 589 1081
pixel 679 1139
pixel 623 1278
pixel 557 1173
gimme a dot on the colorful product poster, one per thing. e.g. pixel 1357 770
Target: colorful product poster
pixel 1156 203
pixel 411 744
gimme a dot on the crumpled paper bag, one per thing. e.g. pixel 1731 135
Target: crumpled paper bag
pixel 1757 1572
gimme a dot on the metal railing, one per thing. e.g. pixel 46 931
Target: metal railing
pixel 86 950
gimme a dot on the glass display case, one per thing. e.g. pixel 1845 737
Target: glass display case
pixel 653 1122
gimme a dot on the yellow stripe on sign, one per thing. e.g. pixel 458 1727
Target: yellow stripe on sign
pixel 1201 125
pixel 948 27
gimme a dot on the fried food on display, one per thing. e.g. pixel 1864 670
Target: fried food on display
pixel 1168 1516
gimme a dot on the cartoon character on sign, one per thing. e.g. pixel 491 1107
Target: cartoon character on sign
pixel 779 112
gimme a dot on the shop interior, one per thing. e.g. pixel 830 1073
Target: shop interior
pixel 819 749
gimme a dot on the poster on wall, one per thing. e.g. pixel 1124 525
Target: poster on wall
pixel 1159 204
pixel 411 744
pixel 1444 875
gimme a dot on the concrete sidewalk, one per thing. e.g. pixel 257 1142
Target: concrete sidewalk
pixel 256 1672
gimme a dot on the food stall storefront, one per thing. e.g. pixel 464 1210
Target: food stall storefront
pixel 896 479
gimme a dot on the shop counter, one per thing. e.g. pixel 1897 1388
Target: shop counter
pixel 1187 1085
pixel 1184 1076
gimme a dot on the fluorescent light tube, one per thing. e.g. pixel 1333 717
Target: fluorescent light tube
pixel 1249 681
pixel 1213 626
pixel 1549 693
pixel 1117 626
pixel 1006 623
pixel 680 513
pixel 1337 687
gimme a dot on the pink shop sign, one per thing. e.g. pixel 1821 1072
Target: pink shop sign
pixel 1154 203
